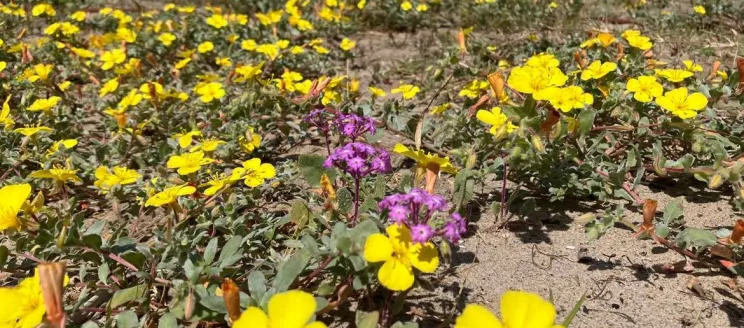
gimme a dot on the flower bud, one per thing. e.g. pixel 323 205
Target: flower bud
pixel 715 181
pixel 738 232
pixel 231 295
pixel 538 144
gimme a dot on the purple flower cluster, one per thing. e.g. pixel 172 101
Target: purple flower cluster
pixel 318 119
pixel 359 159
pixel 353 126
pixel 416 209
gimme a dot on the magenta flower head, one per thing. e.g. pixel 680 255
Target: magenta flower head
pixel 359 160
pixel 425 214
pixel 318 118
pixel 353 126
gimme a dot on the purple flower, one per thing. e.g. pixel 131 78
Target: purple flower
pixel 421 233
pixel 451 232
pixel 353 126
pixel 398 214
pixel 318 119
pixel 359 159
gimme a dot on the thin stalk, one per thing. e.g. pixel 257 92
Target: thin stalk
pixel 356 201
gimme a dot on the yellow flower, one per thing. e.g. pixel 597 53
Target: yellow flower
pixel 64 85
pixel 604 39
pixel 57 173
pixel 597 70
pixel 3 64
pixel 208 145
pixel 23 305
pixel 250 141
pixel 216 184
pixel 129 67
pixel 112 58
pixel 131 99
pixel 407 90
pixel 645 88
pixel 45 105
pixel 474 89
pixel 169 195
pixel 571 97
pixel 347 44
pixel 78 16
pixel 182 63
pixel 84 53
pixel 205 47
pixel 269 49
pixel 210 91
pixel 674 75
pixel 426 160
pixel 109 87
pixel 109 178
pixel 166 38
pixel 66 143
pixel 536 80
pixel 185 139
pixel 270 18
pixel 248 72
pixel 691 66
pixel 440 109
pixel 700 10
pixel 216 21
pixel 496 119
pixel 321 50
pixel 290 309
pixel 377 92
pixel 330 97
pixel 249 45
pixel 5 118
pixel 12 198
pixel 43 9
pixel 126 35
pixel 543 60
pixel 681 104
pixel 400 255
pixel 630 33
pixel 518 310
pixel 38 72
pixel 422 7
pixel 406 5
pixel 253 173
pixel 223 62
pixel 32 130
pixel 639 41
pixel 188 163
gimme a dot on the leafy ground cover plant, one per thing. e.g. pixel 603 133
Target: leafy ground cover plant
pixel 180 165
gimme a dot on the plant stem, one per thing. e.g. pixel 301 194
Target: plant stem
pixel 356 201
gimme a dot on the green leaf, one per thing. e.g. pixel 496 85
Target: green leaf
pixel 463 191
pixel 311 167
pixel 3 255
pixel 571 315
pixel 367 319
pixel 127 295
pixel 90 324
pixel 661 229
pixel 361 231
pixel 673 210
pixel 405 325
pixel 231 247
pixel 288 271
pixel 345 200
pixel 168 320
pixel 103 273
pixel 214 303
pixel 299 214
pixel 127 319
pixel 586 120
pixel 211 251
pixel 694 237
pixel 257 285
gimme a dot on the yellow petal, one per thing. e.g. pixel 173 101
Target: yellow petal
pixel 186 190
pixel 523 309
pixel 697 101
pixel 252 164
pixel 486 117
pixel 253 317
pixel 253 180
pixel 13 197
pixel 424 257
pixel 267 171
pixel 291 309
pixel 175 162
pixel 395 275
pixel 377 248
pixel 476 316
